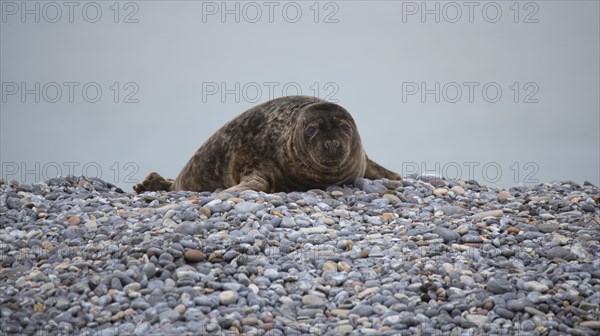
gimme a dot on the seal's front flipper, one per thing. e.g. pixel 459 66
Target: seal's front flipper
pixel 375 171
pixel 153 182
pixel 251 182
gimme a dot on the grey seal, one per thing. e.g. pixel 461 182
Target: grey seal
pixel 293 143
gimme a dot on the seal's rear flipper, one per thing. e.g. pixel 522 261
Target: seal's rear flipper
pixel 375 171
pixel 153 182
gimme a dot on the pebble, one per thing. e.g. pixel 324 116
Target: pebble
pixel 313 301
pixel 367 292
pixel 193 255
pixel 362 310
pixel 505 313
pixel 471 238
pixel 419 256
pixel 558 252
pixel 440 192
pixel 499 286
pixel 446 234
pixel 458 190
pixel 314 230
pixel 518 305
pixel 548 227
pixel 484 214
pixel 595 325
pixel 228 297
pixel 535 286
pixel 248 207
pixel 478 319
pixel 73 220
pixel 587 207
pixel 504 196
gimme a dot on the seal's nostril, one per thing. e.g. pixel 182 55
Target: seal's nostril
pixel 331 145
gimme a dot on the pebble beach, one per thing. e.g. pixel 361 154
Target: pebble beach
pixel 422 256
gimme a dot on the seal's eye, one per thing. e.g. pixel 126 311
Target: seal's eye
pixel 345 128
pixel 311 130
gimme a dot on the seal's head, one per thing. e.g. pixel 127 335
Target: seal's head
pixel 329 137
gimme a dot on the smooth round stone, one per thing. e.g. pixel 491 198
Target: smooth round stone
pixel 392 320
pixel 450 210
pixel 169 315
pixel 528 326
pixel 504 196
pixel 155 284
pixel 499 286
pixel 587 207
pixel 314 230
pixel 478 319
pixel 518 305
pixel 467 281
pixel 548 227
pixel 188 228
pixel 535 286
pixel 344 329
pixel 228 297
pixel 330 266
pixel 193 255
pixel 208 301
pixel 180 309
pixel 189 215
pixel 132 290
pixel 313 301
pixel 595 325
pixel 440 192
pixel 559 252
pixel 362 310
pixel 505 313
pixel 458 190
pixel 232 286
pixel 446 234
pixel 80 287
pixel 139 304
pixel 248 207
pixel 462 229
pixel 272 274
pixel 485 214
pixel 392 198
pixel 337 193
pixel 471 238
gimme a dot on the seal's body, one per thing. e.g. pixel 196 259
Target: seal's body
pixel 286 144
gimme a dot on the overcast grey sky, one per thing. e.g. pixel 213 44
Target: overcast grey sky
pixel 505 94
